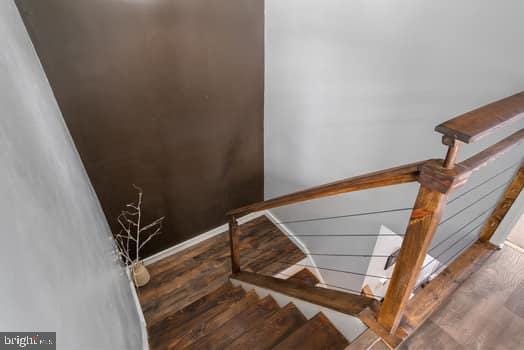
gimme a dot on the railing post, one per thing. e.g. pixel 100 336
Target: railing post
pixel 453 148
pixel 422 226
pixel 436 182
pixel 503 206
pixel 234 242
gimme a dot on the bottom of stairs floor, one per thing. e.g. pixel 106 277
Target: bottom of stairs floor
pixel 485 313
pixel 190 303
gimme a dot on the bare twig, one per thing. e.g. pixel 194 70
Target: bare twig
pixel 132 230
pixel 124 227
pixel 158 231
pixel 154 223
pixel 122 251
pixel 126 237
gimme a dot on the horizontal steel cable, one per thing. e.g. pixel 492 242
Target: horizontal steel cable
pixel 338 254
pixel 483 183
pixel 454 244
pixel 475 202
pixel 346 235
pixel 331 269
pixel 392 234
pixel 387 211
pixel 463 226
pixel 469 244
pixel 343 216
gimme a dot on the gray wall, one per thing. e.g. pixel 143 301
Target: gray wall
pixel 353 87
pixel 56 264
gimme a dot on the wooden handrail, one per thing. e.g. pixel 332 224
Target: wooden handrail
pixel 393 176
pixel 491 153
pixel 351 304
pixel 468 128
pixel 435 175
pixel 437 179
pixel 472 126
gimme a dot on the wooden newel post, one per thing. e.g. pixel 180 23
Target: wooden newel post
pixel 436 181
pixel 421 228
pixel 453 148
pixel 234 241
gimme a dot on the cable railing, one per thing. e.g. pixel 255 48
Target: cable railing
pixel 449 228
pixel 446 246
pixel 343 216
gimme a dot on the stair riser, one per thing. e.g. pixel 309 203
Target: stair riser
pixel 350 327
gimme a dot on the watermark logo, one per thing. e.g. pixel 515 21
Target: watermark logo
pixel 28 340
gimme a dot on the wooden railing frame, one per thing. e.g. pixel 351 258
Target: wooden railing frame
pixel 504 205
pixel 437 179
pixel 392 176
pixel 422 225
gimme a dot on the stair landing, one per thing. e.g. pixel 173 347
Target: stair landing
pixel 190 303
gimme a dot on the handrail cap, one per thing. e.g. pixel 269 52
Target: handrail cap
pixel 476 124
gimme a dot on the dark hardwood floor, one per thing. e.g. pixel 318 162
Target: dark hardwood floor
pixel 180 279
pixel 190 303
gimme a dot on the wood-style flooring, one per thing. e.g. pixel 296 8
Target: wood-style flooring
pixel 485 312
pixel 190 304
pixel 182 278
pixel 517 234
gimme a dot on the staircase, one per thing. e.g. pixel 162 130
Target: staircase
pixel 456 234
pixel 231 318
pixel 191 302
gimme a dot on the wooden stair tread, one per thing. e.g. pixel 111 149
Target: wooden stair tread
pixel 185 294
pixel 211 324
pixel 265 254
pixel 184 277
pixel 183 320
pixel 272 331
pixel 305 276
pixel 283 261
pixel 347 303
pixel 316 334
pixel 190 303
pixel 238 325
pixel 163 274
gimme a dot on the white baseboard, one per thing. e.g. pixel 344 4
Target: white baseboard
pixel 195 240
pixel 514 246
pixel 143 324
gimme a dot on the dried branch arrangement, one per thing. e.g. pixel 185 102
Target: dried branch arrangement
pixel 133 234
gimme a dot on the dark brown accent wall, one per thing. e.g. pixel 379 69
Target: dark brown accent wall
pixel 166 94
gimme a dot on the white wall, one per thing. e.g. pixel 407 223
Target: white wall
pixel 358 86
pixel 58 272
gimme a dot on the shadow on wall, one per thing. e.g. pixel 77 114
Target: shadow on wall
pixel 57 261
